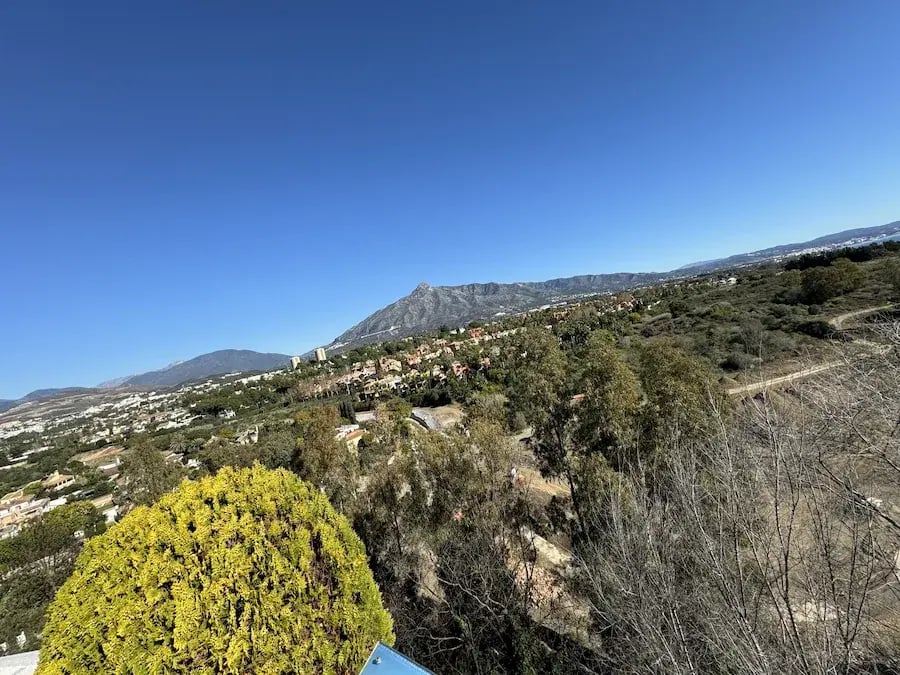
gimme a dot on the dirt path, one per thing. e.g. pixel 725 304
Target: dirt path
pixel 756 387
pixel 837 323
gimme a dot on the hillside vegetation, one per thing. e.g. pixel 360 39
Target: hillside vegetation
pixel 614 497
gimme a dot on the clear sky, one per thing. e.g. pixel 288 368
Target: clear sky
pixel 179 177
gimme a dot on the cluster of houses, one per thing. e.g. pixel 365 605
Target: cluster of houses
pixel 106 417
pixel 401 373
pixel 30 502
pixel 13 428
pixel 404 372
pixel 22 506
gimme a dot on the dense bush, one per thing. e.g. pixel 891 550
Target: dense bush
pixel 251 570
pixel 816 329
pixel 737 361
pixel 823 283
pixel 854 254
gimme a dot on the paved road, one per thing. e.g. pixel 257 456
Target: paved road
pixel 837 323
pixel 424 417
pixel 436 419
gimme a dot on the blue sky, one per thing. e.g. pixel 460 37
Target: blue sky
pixel 182 177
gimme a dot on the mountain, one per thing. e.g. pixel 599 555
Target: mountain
pixel 117 382
pixel 857 237
pixel 48 393
pixel 429 307
pixel 207 365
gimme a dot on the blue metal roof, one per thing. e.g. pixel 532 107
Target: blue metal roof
pixel 385 661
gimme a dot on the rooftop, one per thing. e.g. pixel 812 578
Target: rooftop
pixel 385 661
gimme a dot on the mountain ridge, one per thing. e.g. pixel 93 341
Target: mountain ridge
pixel 428 307
pixel 864 235
pixel 211 364
pixel 220 362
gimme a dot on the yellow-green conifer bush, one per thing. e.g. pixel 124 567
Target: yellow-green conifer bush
pixel 248 571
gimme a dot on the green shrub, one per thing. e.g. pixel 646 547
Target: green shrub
pixel 736 361
pixel 249 571
pixel 823 283
pixel 817 329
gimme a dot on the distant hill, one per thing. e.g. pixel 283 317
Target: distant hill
pixel 429 307
pixel 47 393
pixel 6 404
pixel 199 368
pixel 207 365
pixel 118 382
pixel 857 237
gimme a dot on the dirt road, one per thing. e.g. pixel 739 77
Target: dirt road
pixel 837 323
pixel 756 387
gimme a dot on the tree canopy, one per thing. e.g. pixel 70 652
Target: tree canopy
pixel 250 570
pixel 51 536
pixel 147 475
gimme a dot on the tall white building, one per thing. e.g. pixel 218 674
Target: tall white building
pixel 320 354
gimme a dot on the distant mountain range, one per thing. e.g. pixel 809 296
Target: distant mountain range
pixel 203 366
pixel 859 237
pixel 429 307
pixel 198 368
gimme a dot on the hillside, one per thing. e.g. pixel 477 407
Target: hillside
pixel 429 307
pixel 37 394
pixel 695 342
pixel 207 365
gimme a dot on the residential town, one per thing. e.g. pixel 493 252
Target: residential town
pixel 105 420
